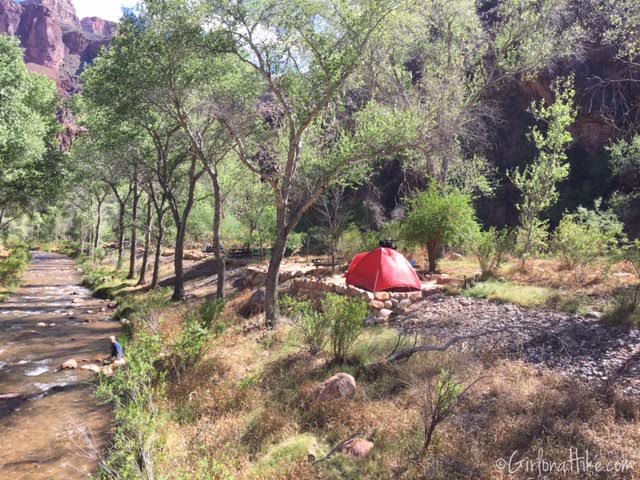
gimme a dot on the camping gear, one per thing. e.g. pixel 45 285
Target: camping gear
pixel 384 269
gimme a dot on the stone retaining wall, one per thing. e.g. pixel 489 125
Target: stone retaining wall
pixel 383 304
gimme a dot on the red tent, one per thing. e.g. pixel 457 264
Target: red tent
pixel 383 269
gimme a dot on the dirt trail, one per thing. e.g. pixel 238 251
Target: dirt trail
pixel 50 424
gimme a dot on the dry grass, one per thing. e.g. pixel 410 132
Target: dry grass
pixel 246 412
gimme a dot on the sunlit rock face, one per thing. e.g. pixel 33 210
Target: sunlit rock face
pixel 56 43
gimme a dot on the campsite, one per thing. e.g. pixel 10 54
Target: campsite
pixel 320 239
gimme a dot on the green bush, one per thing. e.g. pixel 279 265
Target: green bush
pixel 585 236
pixel 347 317
pixel 624 310
pixel 131 391
pixel 193 342
pixel 490 248
pixel 312 326
pixel 437 218
pixel 13 266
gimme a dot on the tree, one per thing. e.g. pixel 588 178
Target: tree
pixel 334 219
pixel 437 218
pixel 539 180
pixel 304 138
pixel 32 168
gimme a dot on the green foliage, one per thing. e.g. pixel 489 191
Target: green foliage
pixel 12 267
pixel 624 311
pixel 437 218
pixel 347 317
pixel 586 236
pixel 31 167
pixel 539 180
pixel 194 340
pixel 507 292
pixel 312 326
pixel 491 247
pixel 133 392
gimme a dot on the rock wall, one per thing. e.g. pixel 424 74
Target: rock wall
pixel 56 43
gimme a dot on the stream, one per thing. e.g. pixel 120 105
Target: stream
pixel 51 426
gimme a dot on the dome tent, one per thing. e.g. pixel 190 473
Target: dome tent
pixel 381 270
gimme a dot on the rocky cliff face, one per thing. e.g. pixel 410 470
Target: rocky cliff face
pixel 57 44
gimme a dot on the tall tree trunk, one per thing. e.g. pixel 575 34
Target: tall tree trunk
pixel 217 247
pixel 134 232
pixel 96 236
pixel 121 213
pixel 155 278
pixel 147 244
pixel 271 287
pixel 178 263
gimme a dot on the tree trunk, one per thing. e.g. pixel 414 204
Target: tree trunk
pixel 178 286
pixel 271 286
pixel 217 250
pixel 121 214
pixel 155 278
pixel 134 232
pixel 96 236
pixel 432 253
pixel 147 244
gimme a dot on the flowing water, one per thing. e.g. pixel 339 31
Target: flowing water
pixel 51 426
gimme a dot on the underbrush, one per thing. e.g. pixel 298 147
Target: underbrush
pixel 528 296
pixel 11 269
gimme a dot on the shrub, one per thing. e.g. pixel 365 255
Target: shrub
pixel 490 249
pixel 441 395
pixel 347 317
pixel 585 236
pixel 624 310
pixel 437 218
pixel 193 342
pixel 13 265
pixel 312 326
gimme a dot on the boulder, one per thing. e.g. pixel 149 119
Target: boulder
pixel 254 305
pixel 388 304
pixel 357 447
pixel 41 324
pixel 384 313
pixel 70 364
pixel 377 304
pixel 341 385
pixel 404 303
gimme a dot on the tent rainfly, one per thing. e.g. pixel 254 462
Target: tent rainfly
pixel 384 269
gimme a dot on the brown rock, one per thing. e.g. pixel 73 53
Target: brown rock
pixel 382 296
pixel 357 448
pixel 92 368
pixel 341 385
pixel 384 313
pixel 377 304
pixel 388 304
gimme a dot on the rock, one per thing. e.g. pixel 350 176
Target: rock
pixel 254 305
pixel 41 324
pixel 357 447
pixel 388 304
pixel 404 303
pixel 92 368
pixel 70 364
pixel 9 396
pixel 382 296
pixel 52 324
pixel 376 304
pixel 341 385
pixel 384 313
pixel 77 300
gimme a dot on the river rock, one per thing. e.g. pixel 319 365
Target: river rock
pixel 41 324
pixel 70 364
pixel 341 385
pixel 92 368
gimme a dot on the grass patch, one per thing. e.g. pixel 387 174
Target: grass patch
pixel 508 292
pixel 529 296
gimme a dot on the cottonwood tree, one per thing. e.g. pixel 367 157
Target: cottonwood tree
pixel 299 141
pixel 539 180
pixel 32 168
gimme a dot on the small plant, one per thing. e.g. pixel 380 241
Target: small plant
pixel 312 325
pixel 442 394
pixel 347 317
pixel 624 310
pixel 490 249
